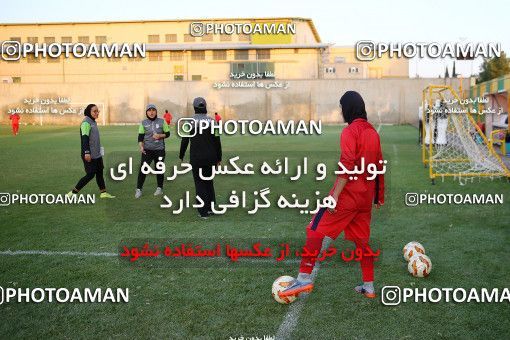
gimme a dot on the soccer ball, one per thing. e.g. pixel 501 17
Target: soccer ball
pixel 280 284
pixel 413 248
pixel 419 265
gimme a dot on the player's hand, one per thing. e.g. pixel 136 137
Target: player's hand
pixel 155 136
pixel 378 205
pixel 142 150
pixel 87 157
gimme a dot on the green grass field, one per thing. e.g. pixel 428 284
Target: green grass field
pixel 468 246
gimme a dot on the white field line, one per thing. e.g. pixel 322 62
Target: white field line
pixel 290 320
pixel 107 254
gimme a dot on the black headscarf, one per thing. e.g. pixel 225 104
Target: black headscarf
pixel 353 106
pixel 88 111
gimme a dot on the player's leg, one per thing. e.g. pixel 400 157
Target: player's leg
pixel 83 182
pixel 367 269
pixel 358 231
pixel 99 167
pixel 209 193
pixel 145 158
pixel 303 282
pixel 201 189
pixel 159 156
pixel 323 225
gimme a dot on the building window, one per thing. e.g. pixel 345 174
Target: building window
pixel 155 56
pixel 32 40
pixel 52 60
pixel 153 38
pixel 197 55
pixel 219 55
pixel 170 38
pixel 67 40
pixel 196 77
pixel 176 55
pixel 296 50
pixel 353 69
pixel 225 37
pixel 339 60
pixel 263 54
pixel 241 55
pixel 32 59
pixel 135 59
pixel 178 69
pixel 49 40
pixel 100 39
pixel 83 39
pixel 264 68
pixel 178 77
pixel 207 37
pixel 244 37
pixel 189 38
pixel 18 39
pixel 16 80
pixel 113 59
pixel 330 70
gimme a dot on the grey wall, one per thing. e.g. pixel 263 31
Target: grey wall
pixel 392 101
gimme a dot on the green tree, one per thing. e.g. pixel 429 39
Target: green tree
pixel 494 68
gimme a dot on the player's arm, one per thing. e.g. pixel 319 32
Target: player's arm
pixel 85 140
pixel 379 181
pixel 166 131
pixel 141 136
pixel 348 159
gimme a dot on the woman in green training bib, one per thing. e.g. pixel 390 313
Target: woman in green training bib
pixel 91 152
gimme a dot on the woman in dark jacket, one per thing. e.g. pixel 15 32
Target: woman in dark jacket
pixel 91 153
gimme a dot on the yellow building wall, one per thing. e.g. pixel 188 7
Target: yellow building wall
pixel 289 63
pixel 383 67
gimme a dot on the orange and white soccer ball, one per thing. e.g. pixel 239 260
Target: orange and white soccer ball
pixel 280 284
pixel 413 248
pixel 419 265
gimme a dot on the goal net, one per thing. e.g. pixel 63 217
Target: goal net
pixel 452 143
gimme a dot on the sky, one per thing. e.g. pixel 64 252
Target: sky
pixel 338 22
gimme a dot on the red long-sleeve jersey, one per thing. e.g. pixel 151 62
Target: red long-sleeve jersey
pixel 360 140
pixel 14 118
